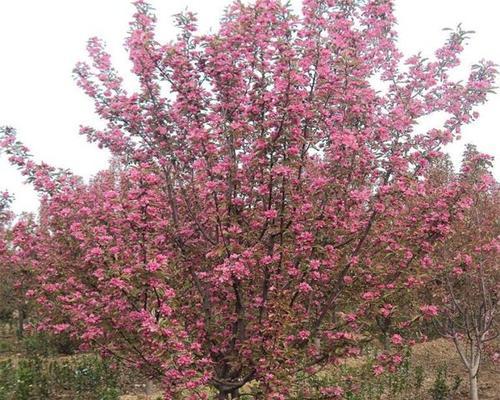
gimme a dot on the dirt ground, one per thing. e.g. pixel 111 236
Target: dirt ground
pixel 434 354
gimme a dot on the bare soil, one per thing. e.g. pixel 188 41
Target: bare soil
pixel 434 354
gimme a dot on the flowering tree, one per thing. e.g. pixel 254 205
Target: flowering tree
pixel 467 275
pixel 6 216
pixel 15 262
pixel 5 221
pixel 265 197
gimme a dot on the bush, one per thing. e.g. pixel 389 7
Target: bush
pixel 83 378
pixel 43 344
pixel 87 376
pixel 442 389
pixel 356 381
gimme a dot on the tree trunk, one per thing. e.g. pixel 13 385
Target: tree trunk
pixel 235 394
pixel 20 322
pixel 473 392
pixel 149 388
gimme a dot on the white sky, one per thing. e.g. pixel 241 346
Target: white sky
pixel 40 42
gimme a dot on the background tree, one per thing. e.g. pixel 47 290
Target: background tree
pixel 6 217
pixel 15 264
pixel 468 272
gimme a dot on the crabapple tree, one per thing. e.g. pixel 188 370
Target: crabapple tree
pixel 15 263
pixel 264 198
pixel 5 223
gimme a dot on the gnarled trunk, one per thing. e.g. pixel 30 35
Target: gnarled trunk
pixel 234 394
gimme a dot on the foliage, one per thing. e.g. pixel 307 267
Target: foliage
pixel 265 203
pixel 442 389
pixel 43 344
pixel 86 377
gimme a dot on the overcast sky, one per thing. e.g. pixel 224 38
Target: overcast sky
pixel 40 42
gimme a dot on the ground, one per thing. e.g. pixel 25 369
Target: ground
pixel 429 357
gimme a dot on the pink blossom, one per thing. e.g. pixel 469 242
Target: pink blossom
pixel 335 391
pixel 303 335
pixel 396 339
pixel 304 287
pixel 429 310
pixel 270 214
pixel 378 370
